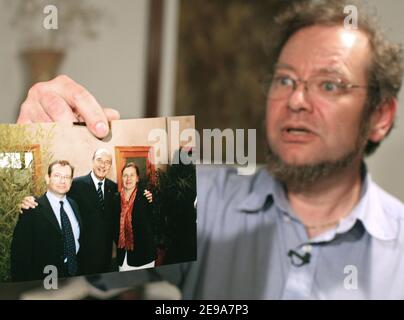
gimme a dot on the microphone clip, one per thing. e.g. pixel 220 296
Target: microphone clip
pixel 297 259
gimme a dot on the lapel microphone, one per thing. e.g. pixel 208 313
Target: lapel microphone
pixel 297 259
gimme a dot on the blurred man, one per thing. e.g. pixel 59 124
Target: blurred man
pixel 314 224
pixel 48 235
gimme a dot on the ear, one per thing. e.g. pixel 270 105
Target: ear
pixel 382 120
pixel 47 179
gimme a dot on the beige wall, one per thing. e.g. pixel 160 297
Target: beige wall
pixel 77 145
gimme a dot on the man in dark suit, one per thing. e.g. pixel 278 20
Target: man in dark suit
pixel 48 235
pixel 94 193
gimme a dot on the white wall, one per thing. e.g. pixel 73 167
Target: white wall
pixel 112 66
pixel 11 72
pixel 386 165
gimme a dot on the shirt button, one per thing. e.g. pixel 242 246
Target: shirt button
pixel 307 248
pixel 286 218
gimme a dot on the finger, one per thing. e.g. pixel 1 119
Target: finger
pixel 31 112
pixel 57 108
pixel 112 114
pixel 26 204
pixel 44 105
pixel 33 203
pixel 83 103
pixel 148 195
pixel 30 201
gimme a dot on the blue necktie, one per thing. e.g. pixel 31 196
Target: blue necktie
pixel 69 245
pixel 100 195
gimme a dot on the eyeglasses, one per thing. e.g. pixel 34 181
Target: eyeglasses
pixel 106 163
pixel 325 87
pixel 59 177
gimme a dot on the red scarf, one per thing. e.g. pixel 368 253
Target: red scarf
pixel 126 231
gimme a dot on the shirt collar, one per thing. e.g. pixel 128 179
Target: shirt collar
pixel 369 210
pixel 53 198
pixel 96 180
pixel 262 186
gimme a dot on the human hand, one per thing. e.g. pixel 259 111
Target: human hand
pixel 64 100
pixel 148 195
pixel 28 203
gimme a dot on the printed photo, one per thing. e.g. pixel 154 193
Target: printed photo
pixel 71 204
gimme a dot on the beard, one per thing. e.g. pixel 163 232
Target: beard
pixel 300 177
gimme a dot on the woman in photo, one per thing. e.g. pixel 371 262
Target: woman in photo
pixel 134 236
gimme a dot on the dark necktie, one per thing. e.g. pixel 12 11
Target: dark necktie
pixel 100 195
pixel 69 245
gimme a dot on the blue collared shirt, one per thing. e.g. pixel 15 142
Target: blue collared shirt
pixel 246 228
pixel 55 204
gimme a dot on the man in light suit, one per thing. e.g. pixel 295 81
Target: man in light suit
pixel 49 234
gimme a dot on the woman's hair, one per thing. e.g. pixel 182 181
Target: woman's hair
pixel 131 165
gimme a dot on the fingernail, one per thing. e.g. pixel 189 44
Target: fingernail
pixel 101 129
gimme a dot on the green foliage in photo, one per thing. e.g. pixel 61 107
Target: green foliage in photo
pixel 21 174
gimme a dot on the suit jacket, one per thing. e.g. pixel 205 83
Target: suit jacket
pixel 38 242
pixel 143 235
pixel 96 243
